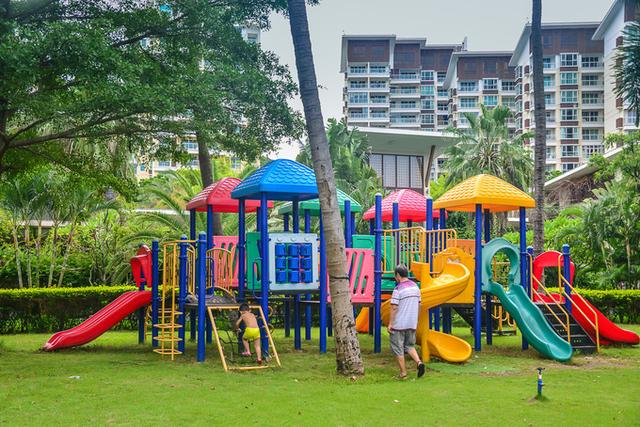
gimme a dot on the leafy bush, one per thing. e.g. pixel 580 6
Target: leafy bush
pixel 53 309
pixel 622 306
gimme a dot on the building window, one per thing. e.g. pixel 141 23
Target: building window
pixel 468 86
pixel 426 75
pixel 443 107
pixel 441 77
pixel 378 84
pixel 379 69
pixel 164 163
pixel 358 69
pixel 408 105
pixel 426 119
pixel 630 118
pixel 509 102
pixel 570 78
pixel 358 84
pixel 236 163
pixel 468 102
pixel 590 80
pixel 591 62
pixel 590 116
pixel 490 100
pixel 549 62
pixel 569 96
pixel 550 116
pixel 426 104
pixel 569 151
pixel 490 84
pixel 550 135
pixel 590 98
pixel 358 98
pixel 568 133
pixel 568 59
pixel 426 90
pixel 378 99
pixel 590 150
pixel 442 93
pixel 591 134
pixel 549 99
pixel 549 81
pixel 566 167
pixel 190 145
pixel 551 153
pixel 143 167
pixel 568 114
pixel 398 171
pixel 508 85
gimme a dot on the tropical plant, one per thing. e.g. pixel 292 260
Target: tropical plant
pixel 348 358
pixel 540 148
pixel 626 69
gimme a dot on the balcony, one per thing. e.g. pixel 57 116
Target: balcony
pixel 405 92
pixel 404 121
pixel 593 123
pixel 378 117
pixel 399 109
pixel 593 88
pixel 405 78
pixel 373 71
pixel 593 105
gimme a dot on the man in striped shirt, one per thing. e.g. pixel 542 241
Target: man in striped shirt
pixel 405 308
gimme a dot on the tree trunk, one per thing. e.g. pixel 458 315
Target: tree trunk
pixel 27 246
pixel 16 247
pixel 206 174
pixel 67 250
pixel 54 254
pixel 540 153
pixel 348 359
pixel 38 251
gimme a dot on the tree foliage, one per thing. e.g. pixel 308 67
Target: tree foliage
pixel 626 70
pixel 86 83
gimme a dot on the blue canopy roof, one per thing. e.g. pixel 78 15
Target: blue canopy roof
pixel 281 179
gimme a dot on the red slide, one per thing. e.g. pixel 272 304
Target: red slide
pixel 100 322
pixel 609 332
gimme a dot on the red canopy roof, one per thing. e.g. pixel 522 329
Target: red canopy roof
pixel 218 195
pixel 412 206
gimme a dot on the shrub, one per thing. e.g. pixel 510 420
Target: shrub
pixel 54 309
pixel 621 306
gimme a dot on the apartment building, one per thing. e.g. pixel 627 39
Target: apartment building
pixel 394 82
pixel 573 91
pixel 475 78
pixel 617 116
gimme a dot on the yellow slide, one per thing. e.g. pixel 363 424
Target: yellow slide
pixel 434 291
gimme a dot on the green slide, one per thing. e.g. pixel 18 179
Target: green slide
pixel 515 300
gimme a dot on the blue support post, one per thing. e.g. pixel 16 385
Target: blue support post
pixel 348 232
pixel 477 306
pixel 443 219
pixel 353 225
pixel 209 227
pixel 192 224
pixel 372 227
pixel 141 311
pixel 488 298
pixel 264 270
pixel 258 216
pixel 182 292
pixel 155 294
pixel 209 327
pixel 307 297
pixel 297 318
pixel 429 254
pixel 242 246
pixel 201 277
pixel 287 301
pixel 395 224
pixel 192 237
pixel 566 273
pixel 323 289
pixel 377 302
pixel 285 225
pixel 523 261
pixel 409 223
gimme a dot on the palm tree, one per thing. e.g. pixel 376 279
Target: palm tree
pixel 348 359
pixel 627 68
pixel 540 150
pixel 486 147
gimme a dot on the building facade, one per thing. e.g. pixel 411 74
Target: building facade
pixel 573 91
pixel 617 116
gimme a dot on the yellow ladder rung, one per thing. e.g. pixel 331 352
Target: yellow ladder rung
pixel 167 351
pixel 170 339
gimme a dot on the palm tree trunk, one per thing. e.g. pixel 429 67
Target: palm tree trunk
pixel 27 245
pixel 16 247
pixel 540 153
pixel 38 251
pixel 348 359
pixel 67 250
pixel 206 174
pixel 54 254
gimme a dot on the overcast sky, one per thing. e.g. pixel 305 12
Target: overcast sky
pixel 488 24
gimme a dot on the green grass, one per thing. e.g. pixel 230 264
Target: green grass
pixel 123 383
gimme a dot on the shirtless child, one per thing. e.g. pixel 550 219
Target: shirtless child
pixel 251 331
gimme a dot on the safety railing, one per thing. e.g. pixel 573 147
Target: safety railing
pixel 534 293
pixel 562 282
pixel 219 268
pixel 413 244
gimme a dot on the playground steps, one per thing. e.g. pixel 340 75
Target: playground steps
pixel 580 340
pixel 466 312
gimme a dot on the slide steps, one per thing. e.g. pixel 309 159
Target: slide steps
pixel 580 340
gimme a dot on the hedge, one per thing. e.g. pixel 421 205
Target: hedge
pixel 54 309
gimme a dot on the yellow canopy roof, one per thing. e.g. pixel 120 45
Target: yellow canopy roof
pixel 491 192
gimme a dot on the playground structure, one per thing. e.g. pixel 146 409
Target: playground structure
pixel 203 279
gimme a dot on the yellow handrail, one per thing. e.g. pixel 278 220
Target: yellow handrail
pixel 563 281
pixel 413 244
pixel 540 285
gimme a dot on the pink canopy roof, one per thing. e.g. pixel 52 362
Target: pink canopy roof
pixel 218 195
pixel 412 206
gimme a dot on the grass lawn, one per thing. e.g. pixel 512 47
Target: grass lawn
pixel 123 383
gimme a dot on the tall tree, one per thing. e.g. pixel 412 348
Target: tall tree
pixel 348 359
pixel 626 69
pixel 540 149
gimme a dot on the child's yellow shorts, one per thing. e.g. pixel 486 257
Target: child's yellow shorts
pixel 251 334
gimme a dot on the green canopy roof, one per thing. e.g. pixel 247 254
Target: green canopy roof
pixel 314 205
